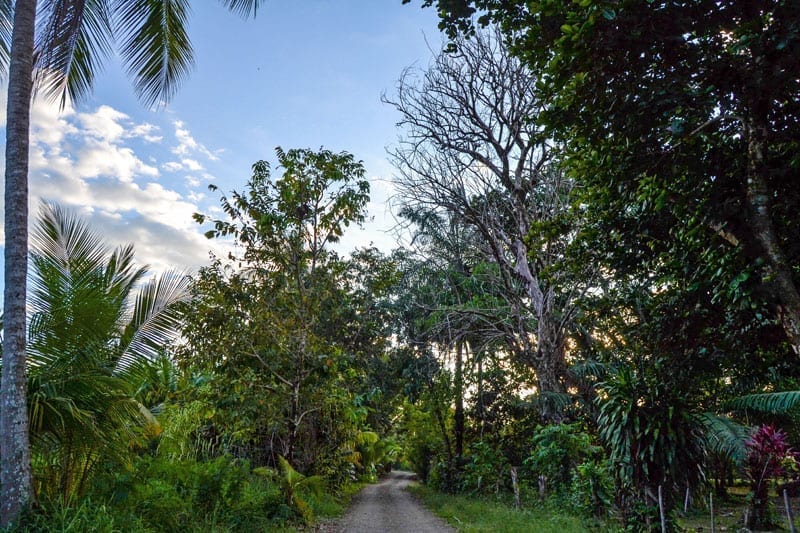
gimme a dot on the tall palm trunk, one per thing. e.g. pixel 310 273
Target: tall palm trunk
pixel 15 458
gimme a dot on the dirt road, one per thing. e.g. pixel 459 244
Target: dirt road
pixel 386 507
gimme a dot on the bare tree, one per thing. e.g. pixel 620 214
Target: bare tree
pixel 470 148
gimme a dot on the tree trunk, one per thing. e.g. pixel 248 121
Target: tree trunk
pixel 778 272
pixel 15 462
pixel 443 428
pixel 294 423
pixel 458 429
pixel 549 365
pixel 480 407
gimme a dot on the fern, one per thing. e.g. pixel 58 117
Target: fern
pixel 294 483
pixel 774 403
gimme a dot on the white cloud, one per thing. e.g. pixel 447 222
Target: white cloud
pixel 146 131
pixel 104 158
pixel 191 164
pixel 105 123
pixel 87 162
pixel 187 145
pixel 195 197
pixel 184 164
pixel 108 124
pixel 50 126
pixel 172 166
pixel 93 162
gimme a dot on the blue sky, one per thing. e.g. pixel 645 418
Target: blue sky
pixel 303 74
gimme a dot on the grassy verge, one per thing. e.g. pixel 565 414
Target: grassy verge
pixel 326 506
pixel 472 514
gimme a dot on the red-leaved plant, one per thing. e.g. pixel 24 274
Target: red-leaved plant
pixel 768 453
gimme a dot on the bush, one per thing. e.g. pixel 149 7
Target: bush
pixel 445 476
pixel 592 489
pixel 188 494
pixel 557 451
pixel 486 469
pixel 160 504
pixel 653 438
pixel 421 456
pixel 768 457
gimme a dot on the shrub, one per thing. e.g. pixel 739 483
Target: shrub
pixel 486 469
pixel 160 503
pixel 768 456
pixel 445 476
pixel 557 451
pixel 654 440
pixel 189 494
pixel 592 489
pixel 421 455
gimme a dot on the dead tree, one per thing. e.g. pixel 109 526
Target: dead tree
pixel 469 148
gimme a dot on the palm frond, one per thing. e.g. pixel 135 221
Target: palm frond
pixel 723 436
pixel 290 476
pixel 78 290
pixel 76 38
pixel 155 318
pixel 86 309
pixel 71 312
pixel 6 23
pixel 154 380
pixel 65 240
pixel 775 403
pixel 121 274
pixel 245 8
pixel 588 369
pixel 155 46
pixel 367 438
pixel 553 402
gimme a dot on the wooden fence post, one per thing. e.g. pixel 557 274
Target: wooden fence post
pixel 686 501
pixel 711 507
pixel 789 515
pixel 515 486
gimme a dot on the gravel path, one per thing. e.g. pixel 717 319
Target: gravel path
pixel 387 507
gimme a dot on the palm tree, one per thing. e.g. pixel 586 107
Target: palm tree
pixel 65 52
pixel 95 321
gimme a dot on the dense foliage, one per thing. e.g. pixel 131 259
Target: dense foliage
pixel 596 314
pixel 268 405
pixel 677 124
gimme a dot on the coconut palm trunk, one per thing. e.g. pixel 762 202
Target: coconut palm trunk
pixel 15 457
pixel 71 37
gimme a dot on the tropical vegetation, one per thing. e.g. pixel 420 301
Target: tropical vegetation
pixel 592 326
pixel 57 48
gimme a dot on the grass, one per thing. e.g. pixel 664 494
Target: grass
pixel 728 512
pixel 88 515
pixel 327 507
pixel 485 514
pixel 473 514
